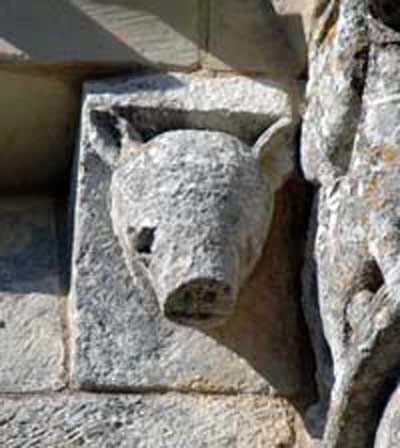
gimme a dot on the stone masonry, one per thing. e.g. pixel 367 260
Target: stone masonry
pixel 199 209
pixel 117 332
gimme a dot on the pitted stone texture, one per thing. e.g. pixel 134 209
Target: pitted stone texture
pixel 121 340
pixel 142 421
pixel 236 105
pixel 31 338
pixel 388 433
pixel 338 60
pixel 351 149
pixel 194 207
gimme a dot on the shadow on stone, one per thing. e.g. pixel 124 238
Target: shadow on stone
pixel 28 246
pixel 267 329
pixel 247 37
pixel 36 28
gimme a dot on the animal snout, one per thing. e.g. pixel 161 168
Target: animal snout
pixel 200 302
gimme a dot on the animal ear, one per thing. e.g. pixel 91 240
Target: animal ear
pixel 131 141
pixel 274 151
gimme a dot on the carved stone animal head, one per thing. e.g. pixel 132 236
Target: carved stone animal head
pixel 194 208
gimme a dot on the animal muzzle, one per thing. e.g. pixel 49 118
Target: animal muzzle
pixel 203 302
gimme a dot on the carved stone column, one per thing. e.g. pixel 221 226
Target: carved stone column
pixel 351 151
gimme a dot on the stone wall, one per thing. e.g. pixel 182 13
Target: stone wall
pixel 56 46
pixel 86 359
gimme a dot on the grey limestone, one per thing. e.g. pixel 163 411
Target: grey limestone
pixel 350 150
pixel 120 338
pixel 237 105
pixel 193 208
pixel 31 336
pixel 143 421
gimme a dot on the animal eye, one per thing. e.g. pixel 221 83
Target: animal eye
pixel 144 240
pixel 387 11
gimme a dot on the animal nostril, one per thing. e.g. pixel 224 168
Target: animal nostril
pixel 144 240
pixel 201 302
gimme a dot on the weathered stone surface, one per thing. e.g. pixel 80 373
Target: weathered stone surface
pixel 157 421
pixel 336 80
pixel 388 433
pixel 31 339
pixel 234 104
pixel 38 115
pixel 85 31
pixel 193 208
pixel 246 36
pixel 120 338
pixel 350 148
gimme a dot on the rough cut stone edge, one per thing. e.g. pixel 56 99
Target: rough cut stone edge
pixel 168 420
pixel 238 105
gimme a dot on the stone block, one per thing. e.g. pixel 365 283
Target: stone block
pixel 142 421
pixel 150 32
pixel 121 340
pixel 295 17
pixel 38 114
pixel 236 105
pixel 31 338
pixel 247 36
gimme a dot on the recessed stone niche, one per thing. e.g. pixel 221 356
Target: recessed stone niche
pixel 74 318
pixel 120 339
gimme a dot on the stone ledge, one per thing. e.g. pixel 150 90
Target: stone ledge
pixel 31 336
pixel 238 36
pixel 142 421
pixel 238 105
pixel 141 32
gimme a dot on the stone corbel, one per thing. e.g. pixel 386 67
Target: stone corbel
pixel 192 193
pixel 175 183
pixel 192 208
